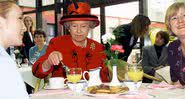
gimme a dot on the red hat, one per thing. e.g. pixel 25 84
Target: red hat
pixel 79 13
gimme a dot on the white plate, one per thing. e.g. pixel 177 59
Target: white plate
pixel 104 94
pixel 49 88
pixel 100 94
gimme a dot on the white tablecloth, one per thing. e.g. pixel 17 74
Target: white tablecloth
pixel 145 93
pixel 28 77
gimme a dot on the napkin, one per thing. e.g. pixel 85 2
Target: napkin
pixel 140 94
pixel 162 85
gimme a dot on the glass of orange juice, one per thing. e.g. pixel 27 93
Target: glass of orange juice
pixel 74 75
pixel 135 74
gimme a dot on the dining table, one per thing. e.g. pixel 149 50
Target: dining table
pixel 28 77
pixel 144 92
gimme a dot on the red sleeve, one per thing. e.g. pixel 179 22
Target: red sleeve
pixel 37 66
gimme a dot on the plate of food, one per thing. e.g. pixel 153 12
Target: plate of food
pixel 103 90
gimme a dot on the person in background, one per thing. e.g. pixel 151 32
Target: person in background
pixel 175 23
pixel 40 46
pixel 11 84
pixel 74 50
pixel 28 40
pixel 128 34
pixel 155 56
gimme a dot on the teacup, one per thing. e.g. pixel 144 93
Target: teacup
pixel 78 87
pixel 56 82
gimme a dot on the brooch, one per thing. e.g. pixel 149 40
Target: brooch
pixel 92 46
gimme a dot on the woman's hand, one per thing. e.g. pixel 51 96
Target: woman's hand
pixel 53 59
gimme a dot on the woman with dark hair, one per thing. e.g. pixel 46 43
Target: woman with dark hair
pixel 155 56
pixel 128 34
pixel 40 46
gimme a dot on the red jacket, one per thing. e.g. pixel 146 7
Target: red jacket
pixel 73 56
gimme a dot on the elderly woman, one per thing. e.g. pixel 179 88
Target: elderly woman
pixel 40 46
pixel 74 50
pixel 11 84
pixel 175 22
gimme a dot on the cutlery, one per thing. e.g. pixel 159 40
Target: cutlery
pixel 89 95
pixel 64 66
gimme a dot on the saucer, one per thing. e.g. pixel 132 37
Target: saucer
pixel 57 88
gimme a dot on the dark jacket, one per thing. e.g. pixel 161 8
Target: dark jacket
pixel 126 39
pixel 150 59
pixel 176 62
pixel 27 44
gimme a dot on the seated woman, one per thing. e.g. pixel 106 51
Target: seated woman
pixel 74 50
pixel 155 56
pixel 40 46
pixel 175 22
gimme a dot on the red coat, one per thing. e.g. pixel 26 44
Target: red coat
pixel 73 56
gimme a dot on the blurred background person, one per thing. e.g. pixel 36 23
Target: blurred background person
pixel 155 56
pixel 74 50
pixel 28 40
pixel 40 46
pixel 175 22
pixel 11 84
pixel 128 34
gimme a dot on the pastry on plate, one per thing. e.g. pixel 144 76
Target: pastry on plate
pixel 105 89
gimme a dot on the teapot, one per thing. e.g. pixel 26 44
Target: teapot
pixel 94 77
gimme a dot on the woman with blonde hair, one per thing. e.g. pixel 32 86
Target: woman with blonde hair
pixel 11 84
pixel 28 40
pixel 175 22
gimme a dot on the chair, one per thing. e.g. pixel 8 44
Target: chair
pixel 37 85
pixel 38 82
pixel 153 78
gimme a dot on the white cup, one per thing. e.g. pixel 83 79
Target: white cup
pixel 56 82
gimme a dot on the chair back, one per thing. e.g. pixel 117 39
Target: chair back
pixel 38 83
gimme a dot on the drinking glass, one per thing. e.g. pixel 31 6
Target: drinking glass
pixel 74 75
pixel 135 74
